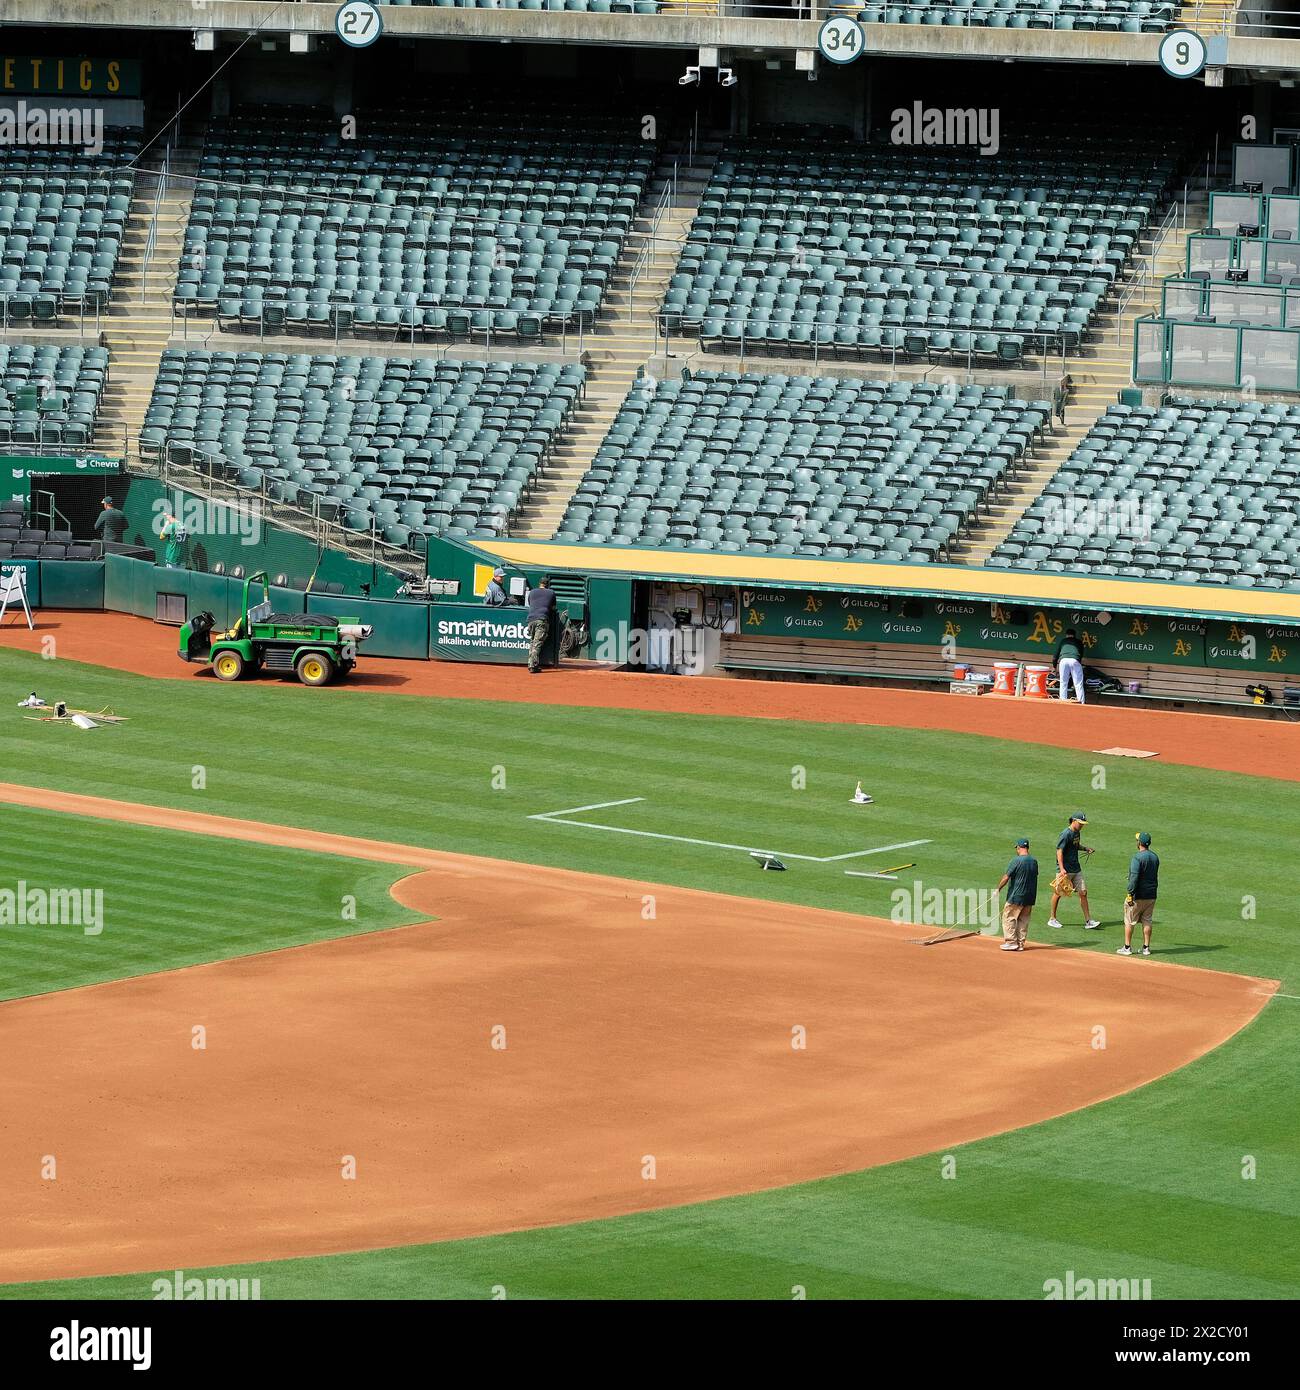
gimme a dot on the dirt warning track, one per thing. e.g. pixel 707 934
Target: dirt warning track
pixel 639 1063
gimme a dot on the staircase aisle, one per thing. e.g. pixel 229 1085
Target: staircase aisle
pixel 621 341
pixel 1100 372
pixel 138 320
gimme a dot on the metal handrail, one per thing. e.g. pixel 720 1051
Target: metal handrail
pixel 1145 279
pixel 28 320
pixel 323 530
pixel 644 258
pixel 573 325
pixel 1041 349
pixel 151 240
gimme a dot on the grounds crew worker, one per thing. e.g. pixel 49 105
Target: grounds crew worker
pixel 1021 882
pixel 111 522
pixel 1069 665
pixel 541 614
pixel 1139 905
pixel 1067 865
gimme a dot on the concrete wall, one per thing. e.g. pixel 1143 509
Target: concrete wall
pixel 776 97
pixel 668 30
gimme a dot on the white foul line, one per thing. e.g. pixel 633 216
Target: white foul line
pixel 595 806
pixel 557 818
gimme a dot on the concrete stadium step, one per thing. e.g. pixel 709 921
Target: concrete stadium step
pixel 137 321
pixel 1099 372
pixel 622 340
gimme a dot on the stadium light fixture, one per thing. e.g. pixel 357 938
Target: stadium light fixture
pixel 689 76
pixel 726 77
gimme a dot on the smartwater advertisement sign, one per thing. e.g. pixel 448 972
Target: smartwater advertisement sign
pixel 471 632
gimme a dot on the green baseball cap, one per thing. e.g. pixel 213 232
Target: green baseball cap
pixel 1078 815
pixel 1143 838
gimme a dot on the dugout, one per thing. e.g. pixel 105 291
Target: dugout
pixel 785 617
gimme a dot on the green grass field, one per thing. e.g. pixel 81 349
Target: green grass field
pixel 1149 1185
pixel 171 899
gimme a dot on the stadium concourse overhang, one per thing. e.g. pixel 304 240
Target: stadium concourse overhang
pixel 758 29
pixel 952 583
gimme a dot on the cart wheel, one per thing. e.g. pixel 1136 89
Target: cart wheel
pixel 315 669
pixel 228 666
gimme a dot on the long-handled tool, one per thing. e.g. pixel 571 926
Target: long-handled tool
pixel 879 873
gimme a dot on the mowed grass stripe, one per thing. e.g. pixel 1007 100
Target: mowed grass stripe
pixel 172 899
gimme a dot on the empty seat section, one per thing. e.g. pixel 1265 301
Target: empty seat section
pixel 807 238
pixel 462 215
pixel 396 447
pixel 1204 492
pixel 62 214
pixel 798 465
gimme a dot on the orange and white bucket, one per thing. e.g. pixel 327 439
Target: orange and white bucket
pixel 1036 682
pixel 1004 677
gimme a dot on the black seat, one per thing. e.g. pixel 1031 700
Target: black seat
pixel 6 550
pixel 27 550
pixel 80 552
pixel 32 533
pixel 9 533
pixel 64 536
pixel 297 619
pixel 54 550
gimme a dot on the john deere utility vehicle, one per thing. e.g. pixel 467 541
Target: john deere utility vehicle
pixel 313 645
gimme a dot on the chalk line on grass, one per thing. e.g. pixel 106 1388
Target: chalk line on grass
pixel 561 818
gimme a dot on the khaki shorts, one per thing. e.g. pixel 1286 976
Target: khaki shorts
pixel 1080 886
pixel 1139 912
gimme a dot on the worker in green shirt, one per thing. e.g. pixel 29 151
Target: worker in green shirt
pixel 1140 901
pixel 1069 665
pixel 173 539
pixel 1021 883
pixel 1068 845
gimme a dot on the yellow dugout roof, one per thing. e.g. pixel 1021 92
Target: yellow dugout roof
pixel 931 581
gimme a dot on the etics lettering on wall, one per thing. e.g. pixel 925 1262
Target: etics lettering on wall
pixel 25 75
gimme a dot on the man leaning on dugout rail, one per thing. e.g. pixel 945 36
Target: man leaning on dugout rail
pixel 495 594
